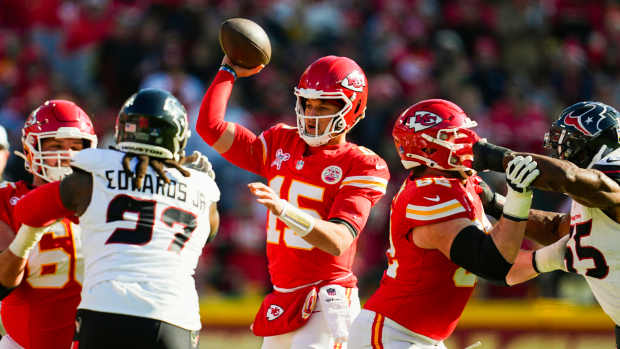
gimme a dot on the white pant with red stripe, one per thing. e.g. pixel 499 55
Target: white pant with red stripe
pixel 374 331
pixel 326 321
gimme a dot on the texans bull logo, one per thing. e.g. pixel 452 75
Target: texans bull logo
pixel 589 121
pixel 422 120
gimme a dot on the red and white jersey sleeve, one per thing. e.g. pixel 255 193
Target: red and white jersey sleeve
pixel 329 182
pixel 360 189
pixel 10 193
pixel 40 312
pixel 438 199
pixel 422 279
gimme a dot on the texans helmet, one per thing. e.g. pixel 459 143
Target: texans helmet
pixel 584 133
pixel 152 122
pixel 335 78
pixel 435 133
pixel 57 119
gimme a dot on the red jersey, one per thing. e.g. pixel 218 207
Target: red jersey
pixel 40 312
pixel 340 182
pixel 421 289
pixel 329 182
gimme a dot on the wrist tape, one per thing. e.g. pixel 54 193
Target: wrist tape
pixel 26 239
pixel 517 205
pixel 298 220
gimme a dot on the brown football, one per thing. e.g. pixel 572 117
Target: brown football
pixel 245 42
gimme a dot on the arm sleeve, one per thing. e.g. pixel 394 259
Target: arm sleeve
pixel 247 150
pixel 210 124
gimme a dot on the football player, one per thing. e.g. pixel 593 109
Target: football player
pixel 584 143
pixel 43 278
pixel 141 243
pixel 4 151
pixel 440 238
pixel 320 189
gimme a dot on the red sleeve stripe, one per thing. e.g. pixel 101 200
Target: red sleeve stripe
pixel 376 339
pixel 428 213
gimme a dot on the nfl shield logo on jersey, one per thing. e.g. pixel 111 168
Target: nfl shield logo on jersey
pixel 274 312
pixel 331 174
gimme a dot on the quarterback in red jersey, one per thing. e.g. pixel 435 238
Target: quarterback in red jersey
pixel 440 238
pixel 319 195
pixel 42 281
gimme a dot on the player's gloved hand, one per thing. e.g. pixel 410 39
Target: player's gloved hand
pixel 492 202
pixel 521 172
pixel 199 162
pixel 144 161
pixel 488 156
pixel 551 257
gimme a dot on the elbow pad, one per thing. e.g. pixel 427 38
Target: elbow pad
pixel 475 251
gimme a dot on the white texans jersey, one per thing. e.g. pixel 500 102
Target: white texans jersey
pixel 593 249
pixel 141 246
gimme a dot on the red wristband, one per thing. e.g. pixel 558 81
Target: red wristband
pixel 42 206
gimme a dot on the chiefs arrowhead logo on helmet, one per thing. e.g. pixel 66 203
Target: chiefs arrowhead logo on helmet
pixel 422 120
pixel 354 81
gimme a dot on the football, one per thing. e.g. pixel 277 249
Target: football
pixel 245 42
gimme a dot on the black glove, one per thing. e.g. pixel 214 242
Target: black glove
pixel 488 156
pixel 490 201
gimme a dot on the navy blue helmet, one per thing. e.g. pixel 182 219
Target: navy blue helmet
pixel 584 133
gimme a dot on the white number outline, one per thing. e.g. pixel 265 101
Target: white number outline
pixel 296 190
pixel 61 277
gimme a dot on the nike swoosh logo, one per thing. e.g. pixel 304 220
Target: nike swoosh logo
pixel 436 198
pixel 610 160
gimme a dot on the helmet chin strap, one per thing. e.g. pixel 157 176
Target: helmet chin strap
pixel 599 155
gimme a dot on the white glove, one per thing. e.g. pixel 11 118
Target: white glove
pixel 26 239
pixel 201 164
pixel 551 257
pixel 520 173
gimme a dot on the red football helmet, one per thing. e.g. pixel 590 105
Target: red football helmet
pixel 435 133
pixel 332 77
pixel 54 119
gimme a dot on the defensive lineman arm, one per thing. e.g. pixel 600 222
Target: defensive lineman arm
pixel 71 199
pixel 589 187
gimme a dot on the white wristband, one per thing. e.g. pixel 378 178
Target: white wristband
pixel 551 257
pixel 298 220
pixel 26 239
pixel 517 204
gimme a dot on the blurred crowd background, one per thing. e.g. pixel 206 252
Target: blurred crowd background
pixel 512 65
